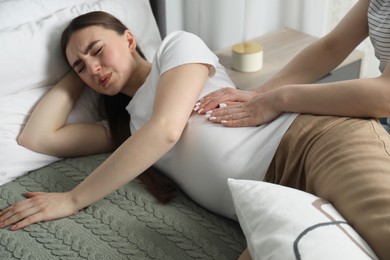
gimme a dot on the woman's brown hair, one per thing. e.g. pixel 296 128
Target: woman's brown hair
pixel 114 107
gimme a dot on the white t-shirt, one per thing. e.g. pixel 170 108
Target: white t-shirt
pixel 207 154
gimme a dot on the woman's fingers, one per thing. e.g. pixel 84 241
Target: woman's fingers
pixel 19 210
pixel 38 206
pixel 11 210
pixel 31 194
pixel 207 104
pixel 256 111
pixel 229 116
pixel 16 212
pixel 234 117
pixel 222 96
pixel 31 219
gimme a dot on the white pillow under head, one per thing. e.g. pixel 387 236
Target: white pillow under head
pixel 30 52
pixel 31 62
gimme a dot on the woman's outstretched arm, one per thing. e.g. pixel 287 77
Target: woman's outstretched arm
pixel 177 94
pixel 46 130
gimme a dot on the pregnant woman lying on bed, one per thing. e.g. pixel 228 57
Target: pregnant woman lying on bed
pixel 198 155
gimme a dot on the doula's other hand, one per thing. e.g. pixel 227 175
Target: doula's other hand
pixel 259 110
pixel 228 96
pixel 39 206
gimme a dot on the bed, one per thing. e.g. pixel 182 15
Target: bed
pixel 130 223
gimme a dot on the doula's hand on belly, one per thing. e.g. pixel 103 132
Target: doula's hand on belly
pixel 260 109
pixel 229 96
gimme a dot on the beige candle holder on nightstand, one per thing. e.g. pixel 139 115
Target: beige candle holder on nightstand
pixel 247 57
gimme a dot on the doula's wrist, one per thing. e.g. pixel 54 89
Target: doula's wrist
pixel 260 89
pixel 280 98
pixel 289 98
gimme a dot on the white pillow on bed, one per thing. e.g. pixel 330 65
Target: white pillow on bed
pixel 31 63
pixel 30 52
pixel 285 223
pixel 30 10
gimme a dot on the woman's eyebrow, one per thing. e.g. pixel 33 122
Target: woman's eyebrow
pixel 89 47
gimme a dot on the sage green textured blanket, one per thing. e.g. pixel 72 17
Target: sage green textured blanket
pixel 127 224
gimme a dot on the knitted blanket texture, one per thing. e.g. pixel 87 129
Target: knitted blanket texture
pixel 127 224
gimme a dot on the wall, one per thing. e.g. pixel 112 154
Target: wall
pixel 337 9
pixel 222 23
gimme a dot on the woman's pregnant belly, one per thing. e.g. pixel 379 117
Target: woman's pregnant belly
pixel 208 154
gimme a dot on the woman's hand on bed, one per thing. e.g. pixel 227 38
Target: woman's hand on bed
pixel 39 206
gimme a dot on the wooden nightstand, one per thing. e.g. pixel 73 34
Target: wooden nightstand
pixel 279 48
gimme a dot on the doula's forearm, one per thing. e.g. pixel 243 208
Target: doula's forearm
pixel 132 158
pixel 355 98
pixel 311 64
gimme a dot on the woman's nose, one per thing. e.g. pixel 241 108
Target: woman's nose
pixel 93 66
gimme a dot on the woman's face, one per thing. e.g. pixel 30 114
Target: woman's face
pixel 102 58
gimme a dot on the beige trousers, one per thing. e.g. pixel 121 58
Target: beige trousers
pixel 345 161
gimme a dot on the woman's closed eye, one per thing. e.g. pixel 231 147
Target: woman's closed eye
pixel 81 68
pixel 97 51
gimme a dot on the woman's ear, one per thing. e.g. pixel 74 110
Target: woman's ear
pixel 131 42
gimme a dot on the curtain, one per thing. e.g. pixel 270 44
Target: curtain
pixel 221 23
pixel 159 12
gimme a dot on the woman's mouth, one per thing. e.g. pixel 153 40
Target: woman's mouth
pixel 103 81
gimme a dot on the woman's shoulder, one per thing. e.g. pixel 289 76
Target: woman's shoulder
pixel 180 34
pixel 179 39
pixel 180 47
